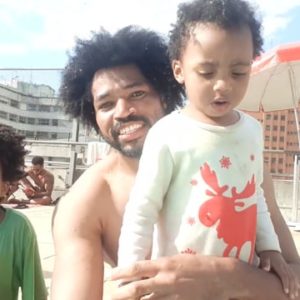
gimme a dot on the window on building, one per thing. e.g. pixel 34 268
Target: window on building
pixel 14 103
pixel 268 127
pixel 282 118
pixel 275 117
pixel 42 135
pixel 274 138
pixel 44 108
pixel 282 128
pixel 53 135
pixel 56 108
pixel 22 119
pixel 31 107
pixel 273 160
pixel 31 121
pixel 54 122
pixel 275 127
pixel 281 139
pixel 268 117
pixel 267 138
pixel 13 117
pixel 43 122
pixel 3 114
pixel 280 160
pixel 29 134
pixel 280 171
pixel 272 170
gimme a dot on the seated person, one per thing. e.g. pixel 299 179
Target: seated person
pixel 11 188
pixel 38 183
pixel 19 256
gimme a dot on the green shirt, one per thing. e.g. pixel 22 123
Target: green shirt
pixel 20 264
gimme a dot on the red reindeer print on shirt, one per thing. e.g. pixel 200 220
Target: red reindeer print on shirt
pixel 235 227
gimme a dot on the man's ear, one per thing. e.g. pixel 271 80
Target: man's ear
pixel 178 71
pixel 164 105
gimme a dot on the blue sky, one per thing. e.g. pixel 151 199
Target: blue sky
pixel 38 33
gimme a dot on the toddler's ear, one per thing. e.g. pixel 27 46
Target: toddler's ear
pixel 178 71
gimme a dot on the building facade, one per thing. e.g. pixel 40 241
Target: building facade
pixel 34 110
pixel 281 141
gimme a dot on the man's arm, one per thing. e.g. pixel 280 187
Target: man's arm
pixel 192 277
pixel 78 269
pixel 48 186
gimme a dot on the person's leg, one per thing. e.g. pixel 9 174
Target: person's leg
pixel 14 201
pixel 41 201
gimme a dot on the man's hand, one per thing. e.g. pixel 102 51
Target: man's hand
pixel 29 192
pixel 186 277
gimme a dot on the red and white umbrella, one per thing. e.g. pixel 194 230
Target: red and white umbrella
pixel 275 80
pixel 275 85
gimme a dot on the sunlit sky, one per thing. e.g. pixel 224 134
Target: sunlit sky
pixel 38 33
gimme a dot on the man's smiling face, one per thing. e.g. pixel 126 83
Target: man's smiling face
pixel 126 106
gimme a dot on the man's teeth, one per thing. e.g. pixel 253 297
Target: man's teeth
pixel 130 129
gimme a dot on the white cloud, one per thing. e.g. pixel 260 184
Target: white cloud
pixel 276 15
pixel 65 19
pixel 12 49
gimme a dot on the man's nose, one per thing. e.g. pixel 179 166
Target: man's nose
pixel 123 108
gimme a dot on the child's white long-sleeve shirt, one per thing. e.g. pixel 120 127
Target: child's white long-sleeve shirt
pixel 201 185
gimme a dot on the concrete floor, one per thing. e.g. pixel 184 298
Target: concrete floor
pixel 40 216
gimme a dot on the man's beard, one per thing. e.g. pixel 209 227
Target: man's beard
pixel 132 151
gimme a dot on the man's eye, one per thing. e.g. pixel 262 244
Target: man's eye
pixel 105 106
pixel 138 94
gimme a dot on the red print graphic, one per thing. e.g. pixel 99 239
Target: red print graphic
pixel 191 221
pixel 235 227
pixel 194 182
pixel 225 162
pixel 252 157
pixel 188 251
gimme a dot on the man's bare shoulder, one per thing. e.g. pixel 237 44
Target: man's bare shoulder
pixel 88 200
pixel 92 187
pixel 47 174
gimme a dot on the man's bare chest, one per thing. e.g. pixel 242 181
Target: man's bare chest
pixel 120 191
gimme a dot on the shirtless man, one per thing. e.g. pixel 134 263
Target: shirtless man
pixel 38 184
pixel 121 85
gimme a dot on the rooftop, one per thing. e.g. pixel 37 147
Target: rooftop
pixel 40 216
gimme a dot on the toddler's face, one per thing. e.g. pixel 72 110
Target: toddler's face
pixel 215 68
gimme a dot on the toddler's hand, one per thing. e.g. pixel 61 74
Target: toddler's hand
pixel 273 260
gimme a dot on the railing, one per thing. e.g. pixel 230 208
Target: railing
pixel 286 190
